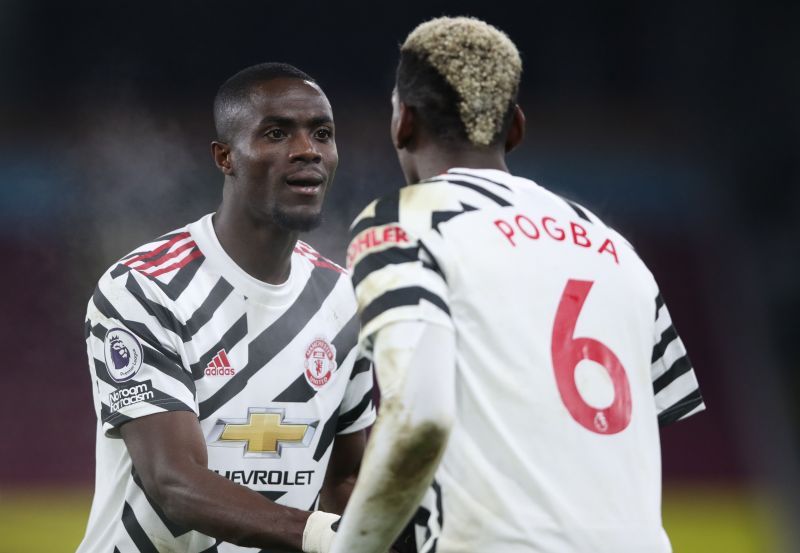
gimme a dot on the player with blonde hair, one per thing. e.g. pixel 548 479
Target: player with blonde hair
pixel 525 355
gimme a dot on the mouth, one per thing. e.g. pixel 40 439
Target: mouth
pixel 307 182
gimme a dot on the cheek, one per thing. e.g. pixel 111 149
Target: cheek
pixel 332 158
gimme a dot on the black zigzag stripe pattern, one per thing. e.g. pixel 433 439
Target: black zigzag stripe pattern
pixel 349 417
pixel 272 495
pixel 177 284
pixel 476 188
pixel 300 391
pixel 159 399
pixel 387 211
pixel 681 366
pixel 678 397
pixel 361 366
pixel 440 217
pixel 167 319
pixel 376 261
pixel 480 178
pixel 326 436
pixel 155 357
pixel 681 408
pixel 400 297
pixel 181 280
pixel 273 339
pixel 135 531
pixel 139 329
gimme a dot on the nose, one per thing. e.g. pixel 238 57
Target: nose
pixel 304 148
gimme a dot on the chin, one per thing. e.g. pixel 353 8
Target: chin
pixel 301 221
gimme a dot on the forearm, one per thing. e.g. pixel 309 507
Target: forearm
pixel 400 463
pixel 206 502
pixel 169 453
pixel 409 438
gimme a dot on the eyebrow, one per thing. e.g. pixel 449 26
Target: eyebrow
pixel 288 121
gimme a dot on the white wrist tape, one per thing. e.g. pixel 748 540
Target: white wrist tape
pixel 318 534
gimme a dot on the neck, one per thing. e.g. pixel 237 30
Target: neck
pixel 261 248
pixel 433 159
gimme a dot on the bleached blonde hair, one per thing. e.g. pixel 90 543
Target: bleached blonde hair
pixel 479 62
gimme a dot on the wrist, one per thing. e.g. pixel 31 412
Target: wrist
pixel 319 532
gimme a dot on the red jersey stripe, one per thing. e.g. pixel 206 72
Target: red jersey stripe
pixel 165 246
pixel 171 255
pixel 192 256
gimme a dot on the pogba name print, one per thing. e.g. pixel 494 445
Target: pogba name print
pixel 523 228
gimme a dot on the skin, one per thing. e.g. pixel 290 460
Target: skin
pixel 277 165
pixel 283 141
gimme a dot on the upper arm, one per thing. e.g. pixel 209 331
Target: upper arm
pixel 397 269
pixel 134 357
pixel 357 409
pixel 677 393
pixel 348 449
pixel 165 447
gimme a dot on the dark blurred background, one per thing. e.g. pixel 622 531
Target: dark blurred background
pixel 677 122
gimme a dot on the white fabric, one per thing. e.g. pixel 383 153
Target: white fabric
pixel 501 260
pixel 240 354
pixel 415 362
pixel 318 534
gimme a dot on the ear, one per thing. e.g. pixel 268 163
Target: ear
pixel 517 131
pixel 405 125
pixel 221 153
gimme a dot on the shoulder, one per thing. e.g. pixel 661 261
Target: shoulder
pixel 159 257
pixel 148 270
pixel 423 206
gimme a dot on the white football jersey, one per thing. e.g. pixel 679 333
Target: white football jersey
pixel 270 371
pixel 567 362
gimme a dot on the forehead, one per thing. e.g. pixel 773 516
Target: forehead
pixel 288 98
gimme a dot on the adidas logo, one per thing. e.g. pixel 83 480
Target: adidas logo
pixel 220 366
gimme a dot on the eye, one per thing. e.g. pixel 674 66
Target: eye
pixel 323 134
pixel 275 134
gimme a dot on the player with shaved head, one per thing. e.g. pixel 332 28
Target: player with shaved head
pixel 525 355
pixel 231 404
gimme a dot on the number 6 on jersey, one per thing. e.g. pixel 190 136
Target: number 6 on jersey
pixel 568 351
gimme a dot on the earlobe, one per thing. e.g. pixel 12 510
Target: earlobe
pixel 221 153
pixel 517 131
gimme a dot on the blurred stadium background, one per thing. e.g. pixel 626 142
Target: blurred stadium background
pixel 677 122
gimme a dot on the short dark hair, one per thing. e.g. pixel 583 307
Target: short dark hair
pixel 420 86
pixel 237 88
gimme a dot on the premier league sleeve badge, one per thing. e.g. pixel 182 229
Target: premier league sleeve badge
pixel 123 354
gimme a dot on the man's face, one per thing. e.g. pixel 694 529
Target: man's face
pixel 283 154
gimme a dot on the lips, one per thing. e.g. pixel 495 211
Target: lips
pixel 305 178
pixel 306 182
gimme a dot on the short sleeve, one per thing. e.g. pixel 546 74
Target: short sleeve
pixel 357 410
pixel 395 273
pixel 677 393
pixel 133 358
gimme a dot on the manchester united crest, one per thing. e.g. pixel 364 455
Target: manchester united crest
pixel 320 362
